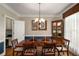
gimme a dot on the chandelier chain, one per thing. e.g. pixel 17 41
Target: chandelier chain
pixel 39 11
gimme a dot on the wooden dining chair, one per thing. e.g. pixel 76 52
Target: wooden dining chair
pixel 16 49
pixel 64 47
pixel 48 50
pixel 29 50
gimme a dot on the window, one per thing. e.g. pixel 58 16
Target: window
pixel 71 31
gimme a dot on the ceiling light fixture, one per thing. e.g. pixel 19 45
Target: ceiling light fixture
pixel 39 19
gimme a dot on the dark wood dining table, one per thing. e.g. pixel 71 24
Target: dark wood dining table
pixel 38 43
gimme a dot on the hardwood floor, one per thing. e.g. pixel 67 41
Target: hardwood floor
pixel 9 52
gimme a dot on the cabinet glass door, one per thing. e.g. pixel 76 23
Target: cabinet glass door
pixel 57 28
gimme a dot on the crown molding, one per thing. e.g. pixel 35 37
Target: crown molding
pixel 68 8
pixel 10 9
pixel 37 15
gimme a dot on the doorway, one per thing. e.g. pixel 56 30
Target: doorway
pixel 13 28
pixel 8 32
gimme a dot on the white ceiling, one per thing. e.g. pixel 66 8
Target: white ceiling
pixel 33 8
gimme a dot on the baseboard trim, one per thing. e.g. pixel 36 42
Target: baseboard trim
pixel 2 54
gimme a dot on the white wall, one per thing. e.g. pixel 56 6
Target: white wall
pixel 28 26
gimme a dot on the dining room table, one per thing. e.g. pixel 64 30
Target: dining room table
pixel 39 44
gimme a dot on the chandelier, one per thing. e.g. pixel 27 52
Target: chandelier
pixel 39 19
pixel 39 23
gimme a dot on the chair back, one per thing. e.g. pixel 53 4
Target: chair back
pixel 66 42
pixel 29 46
pixel 14 43
pixel 58 41
pixel 48 45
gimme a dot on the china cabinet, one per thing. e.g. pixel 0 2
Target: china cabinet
pixel 57 29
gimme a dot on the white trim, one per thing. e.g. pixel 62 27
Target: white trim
pixel 9 17
pixel 47 16
pixel 68 8
pixel 2 54
pixel 5 34
pixel 1 41
pixel 10 9
pixel 37 35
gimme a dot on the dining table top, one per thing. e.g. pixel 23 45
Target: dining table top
pixel 37 43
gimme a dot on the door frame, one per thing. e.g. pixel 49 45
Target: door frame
pixel 6 16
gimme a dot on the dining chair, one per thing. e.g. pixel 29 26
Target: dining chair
pixel 49 50
pixel 15 48
pixel 64 47
pixel 29 50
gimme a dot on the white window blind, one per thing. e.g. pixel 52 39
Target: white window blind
pixel 71 31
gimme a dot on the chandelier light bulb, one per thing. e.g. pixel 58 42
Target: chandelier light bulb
pixel 36 20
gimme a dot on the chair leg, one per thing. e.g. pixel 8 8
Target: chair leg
pixel 54 53
pixel 63 52
pixel 16 53
pixel 22 53
pixel 58 53
pixel 13 53
pixel 67 53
